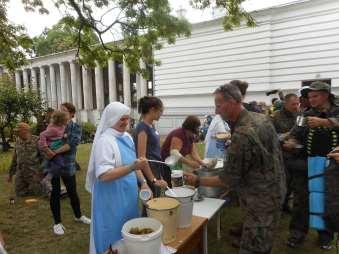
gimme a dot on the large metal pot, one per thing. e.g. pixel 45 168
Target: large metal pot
pixel 210 192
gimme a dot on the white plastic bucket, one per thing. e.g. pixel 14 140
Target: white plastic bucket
pixel 143 244
pixel 185 197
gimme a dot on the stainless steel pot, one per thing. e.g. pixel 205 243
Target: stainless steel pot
pixel 210 192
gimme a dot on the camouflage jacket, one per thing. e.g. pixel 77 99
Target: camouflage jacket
pixel 283 120
pixel 254 167
pixel 26 157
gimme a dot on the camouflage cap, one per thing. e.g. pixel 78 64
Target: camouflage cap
pixel 320 86
pixel 22 126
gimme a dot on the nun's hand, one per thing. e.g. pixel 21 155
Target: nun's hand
pixel 141 163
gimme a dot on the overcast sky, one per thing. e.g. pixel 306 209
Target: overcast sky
pixel 35 23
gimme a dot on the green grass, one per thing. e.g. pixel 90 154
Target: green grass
pixel 27 227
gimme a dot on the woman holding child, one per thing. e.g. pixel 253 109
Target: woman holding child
pixel 67 149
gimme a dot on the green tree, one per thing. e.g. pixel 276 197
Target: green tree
pixel 16 105
pixel 137 26
pixel 14 42
pixel 61 37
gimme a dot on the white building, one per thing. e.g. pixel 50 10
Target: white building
pixel 292 45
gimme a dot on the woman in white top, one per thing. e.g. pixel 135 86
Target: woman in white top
pixel 215 148
pixel 112 178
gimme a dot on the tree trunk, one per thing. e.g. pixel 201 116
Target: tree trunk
pixel 5 144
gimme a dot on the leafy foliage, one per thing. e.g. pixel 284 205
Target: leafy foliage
pixel 61 37
pixel 14 42
pixel 16 105
pixel 234 13
pixel 88 132
pixel 136 27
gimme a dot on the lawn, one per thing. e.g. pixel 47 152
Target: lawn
pixel 27 228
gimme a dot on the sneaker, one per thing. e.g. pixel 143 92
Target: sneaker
pixel 59 229
pixel 83 219
pixel 326 247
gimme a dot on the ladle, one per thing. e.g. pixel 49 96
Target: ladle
pixel 161 162
pixel 172 191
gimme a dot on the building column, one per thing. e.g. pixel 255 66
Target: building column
pixel 75 85
pixel 54 102
pixel 126 84
pixel 43 87
pixel 26 82
pixel 17 80
pixel 141 82
pixel 34 79
pixel 87 86
pixel 112 81
pixel 99 87
pixel 63 86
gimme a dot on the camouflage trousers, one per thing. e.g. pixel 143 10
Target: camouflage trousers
pixel 27 184
pixel 258 233
pixel 299 223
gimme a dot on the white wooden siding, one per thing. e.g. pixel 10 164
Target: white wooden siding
pixel 291 43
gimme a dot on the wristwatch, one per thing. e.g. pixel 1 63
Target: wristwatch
pixel 154 180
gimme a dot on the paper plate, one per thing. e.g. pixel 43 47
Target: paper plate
pixel 31 200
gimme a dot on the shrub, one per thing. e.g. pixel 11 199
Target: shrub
pixel 88 132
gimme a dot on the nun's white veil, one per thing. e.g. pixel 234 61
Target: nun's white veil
pixel 110 116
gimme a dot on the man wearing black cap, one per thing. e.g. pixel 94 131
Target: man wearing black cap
pixel 318 137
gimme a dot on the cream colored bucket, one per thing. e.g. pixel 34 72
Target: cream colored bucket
pixel 165 210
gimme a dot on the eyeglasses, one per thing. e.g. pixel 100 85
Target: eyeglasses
pixel 123 119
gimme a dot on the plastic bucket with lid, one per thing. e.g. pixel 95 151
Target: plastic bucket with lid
pixel 185 197
pixel 177 178
pixel 142 244
pixel 165 210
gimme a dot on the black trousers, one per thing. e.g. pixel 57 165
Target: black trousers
pixel 70 184
pixel 299 223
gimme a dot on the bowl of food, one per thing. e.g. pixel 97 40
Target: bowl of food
pixel 223 135
pixel 210 163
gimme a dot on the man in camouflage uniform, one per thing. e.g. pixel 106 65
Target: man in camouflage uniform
pixel 26 163
pixel 283 121
pixel 254 168
pixel 318 137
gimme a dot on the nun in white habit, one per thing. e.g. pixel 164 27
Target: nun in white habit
pixel 112 178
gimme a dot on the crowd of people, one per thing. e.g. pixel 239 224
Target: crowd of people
pixel 268 156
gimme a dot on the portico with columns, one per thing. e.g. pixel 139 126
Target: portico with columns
pixel 58 78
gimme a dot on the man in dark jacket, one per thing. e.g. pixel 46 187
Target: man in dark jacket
pixel 318 138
